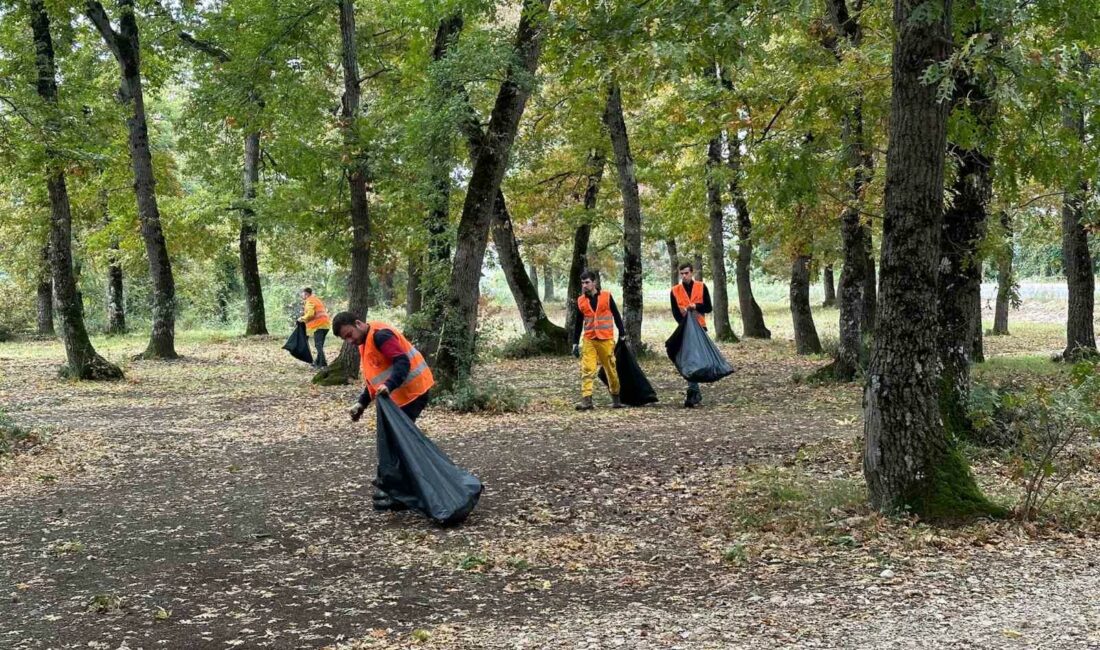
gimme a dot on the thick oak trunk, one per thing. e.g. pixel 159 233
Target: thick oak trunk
pixel 723 331
pixel 752 317
pixel 805 333
pixel 356 168
pixel 579 259
pixel 615 122
pixel 126 47
pixel 1076 259
pixel 908 461
pixel 44 294
pixel 455 356
pixel 83 361
pixel 255 317
pixel 1006 283
pixel 829 287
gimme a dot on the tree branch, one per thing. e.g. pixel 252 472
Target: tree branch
pixel 374 74
pixel 205 47
pixel 98 15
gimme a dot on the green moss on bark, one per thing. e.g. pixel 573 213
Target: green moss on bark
pixel 952 494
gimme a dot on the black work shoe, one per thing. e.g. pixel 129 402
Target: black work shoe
pixel 585 404
pixel 388 503
pixel 616 402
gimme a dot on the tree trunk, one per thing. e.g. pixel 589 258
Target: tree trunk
pixel 752 318
pixel 977 341
pixel 909 463
pixel 414 299
pixel 869 317
pixel 126 48
pixel 805 333
pixel 532 270
pixel 456 350
pixel 255 317
pixel 524 288
pixel 1076 259
pixel 579 260
pixel 723 331
pixel 547 284
pixel 829 287
pixel 83 361
pixel 632 213
pixel 697 262
pixel 1006 283
pixel 673 261
pixel 342 370
pixel 44 300
pixel 356 167
pixel 116 298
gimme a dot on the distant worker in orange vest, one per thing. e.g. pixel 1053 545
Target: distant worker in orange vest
pixel 390 365
pixel 691 297
pixel 317 323
pixel 595 334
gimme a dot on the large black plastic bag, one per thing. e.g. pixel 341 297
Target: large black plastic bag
pixel 412 470
pixel 634 386
pixel 298 344
pixel 695 355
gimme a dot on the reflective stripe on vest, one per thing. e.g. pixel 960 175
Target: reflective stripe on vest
pixel 598 324
pixel 377 369
pixel 682 300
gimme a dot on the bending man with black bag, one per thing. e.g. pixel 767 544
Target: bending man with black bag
pixel 390 365
pixel 690 298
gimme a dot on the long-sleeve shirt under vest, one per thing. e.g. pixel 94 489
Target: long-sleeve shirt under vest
pixel 704 308
pixel 387 344
pixel 578 327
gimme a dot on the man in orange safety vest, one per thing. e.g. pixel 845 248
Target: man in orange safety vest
pixel 690 298
pixel 317 323
pixel 595 336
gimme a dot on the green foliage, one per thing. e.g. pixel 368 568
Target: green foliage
pixel 484 397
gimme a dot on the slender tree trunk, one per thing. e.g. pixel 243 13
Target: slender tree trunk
pixel 908 461
pixel 977 340
pixel 1076 259
pixel 829 287
pixel 673 261
pixel 579 260
pixel 44 300
pixel 532 272
pixel 1006 283
pixel 116 298
pixel 752 318
pixel 870 292
pixel 356 168
pixel 632 213
pixel 524 288
pixel 386 284
pixel 255 317
pixel 414 298
pixel 547 284
pixel 805 333
pixel 125 46
pixel 83 361
pixel 697 261
pixel 723 331
pixel 456 354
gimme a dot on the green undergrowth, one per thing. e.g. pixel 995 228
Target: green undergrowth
pixel 485 397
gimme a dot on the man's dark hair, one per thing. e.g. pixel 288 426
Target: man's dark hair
pixel 687 265
pixel 588 275
pixel 308 291
pixel 342 320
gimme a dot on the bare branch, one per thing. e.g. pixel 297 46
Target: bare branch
pixel 98 15
pixel 205 47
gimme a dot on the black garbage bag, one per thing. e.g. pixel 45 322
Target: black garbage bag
pixel 413 471
pixel 695 355
pixel 634 386
pixel 298 344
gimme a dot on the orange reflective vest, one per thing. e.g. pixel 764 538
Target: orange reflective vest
pixel 316 318
pixel 598 324
pixel 682 300
pixel 376 368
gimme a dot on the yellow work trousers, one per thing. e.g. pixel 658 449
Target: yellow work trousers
pixel 596 353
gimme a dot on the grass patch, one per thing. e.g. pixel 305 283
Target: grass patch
pixel 485 397
pixel 14 439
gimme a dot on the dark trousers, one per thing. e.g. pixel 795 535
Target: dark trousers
pixel 319 341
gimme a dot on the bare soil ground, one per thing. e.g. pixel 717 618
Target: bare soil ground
pixel 223 501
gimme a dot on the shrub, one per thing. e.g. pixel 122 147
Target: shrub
pixel 484 397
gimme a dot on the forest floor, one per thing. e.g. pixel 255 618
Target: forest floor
pixel 223 501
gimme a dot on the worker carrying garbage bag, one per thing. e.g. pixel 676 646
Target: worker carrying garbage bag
pixel 696 357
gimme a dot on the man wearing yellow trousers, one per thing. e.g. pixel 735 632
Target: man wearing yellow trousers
pixel 596 340
pixel 317 324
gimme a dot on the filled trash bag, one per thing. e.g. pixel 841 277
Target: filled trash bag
pixel 634 386
pixel 413 471
pixel 695 355
pixel 298 344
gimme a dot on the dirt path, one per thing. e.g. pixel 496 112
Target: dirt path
pixel 222 501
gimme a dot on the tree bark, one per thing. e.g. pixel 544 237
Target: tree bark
pixel 456 350
pixel 723 331
pixel 83 361
pixel 805 333
pixel 414 298
pixel 673 261
pixel 255 316
pixel 547 284
pixel 632 212
pixel 579 259
pixel 44 301
pixel 697 262
pixel 1076 259
pixel 908 461
pixel 829 287
pixel 116 298
pixel 752 318
pixel 126 48
pixel 869 317
pixel 356 168
pixel 1006 283
pixel 977 334
pixel 524 288
pixel 532 270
